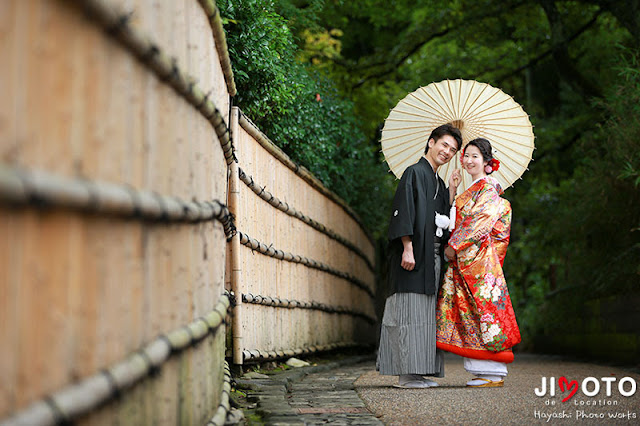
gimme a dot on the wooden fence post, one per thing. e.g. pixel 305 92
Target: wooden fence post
pixel 236 265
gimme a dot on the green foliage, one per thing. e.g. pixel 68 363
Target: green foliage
pixel 579 238
pixel 299 108
pixel 609 173
pixel 574 66
pixel 582 187
pixel 262 51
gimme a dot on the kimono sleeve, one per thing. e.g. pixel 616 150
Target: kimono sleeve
pixel 477 224
pixel 403 213
pixel 501 231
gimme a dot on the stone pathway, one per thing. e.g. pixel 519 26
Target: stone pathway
pixel 323 394
pixel 351 392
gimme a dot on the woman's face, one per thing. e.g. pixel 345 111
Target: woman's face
pixel 472 161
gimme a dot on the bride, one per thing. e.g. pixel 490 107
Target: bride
pixel 475 318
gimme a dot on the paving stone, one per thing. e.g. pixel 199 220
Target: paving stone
pixel 278 420
pixel 324 395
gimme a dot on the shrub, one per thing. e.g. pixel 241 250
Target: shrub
pixel 300 109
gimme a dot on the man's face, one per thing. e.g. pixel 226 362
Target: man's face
pixel 442 150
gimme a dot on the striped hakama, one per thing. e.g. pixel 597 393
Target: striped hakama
pixel 408 333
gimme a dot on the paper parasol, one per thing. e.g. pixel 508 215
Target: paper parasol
pixel 477 109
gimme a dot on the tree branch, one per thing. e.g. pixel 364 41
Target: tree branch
pixel 416 47
pixel 402 59
pixel 626 12
pixel 560 53
pixel 548 52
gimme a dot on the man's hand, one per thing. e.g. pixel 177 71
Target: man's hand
pixel 408 262
pixel 449 253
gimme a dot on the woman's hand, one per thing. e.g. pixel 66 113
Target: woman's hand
pixel 454 181
pixel 449 253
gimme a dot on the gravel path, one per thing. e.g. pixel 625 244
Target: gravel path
pixel 515 403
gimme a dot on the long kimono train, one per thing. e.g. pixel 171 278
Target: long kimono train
pixel 475 317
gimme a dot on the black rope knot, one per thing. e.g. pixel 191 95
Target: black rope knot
pixel 150 53
pixel 120 24
pixel 232 298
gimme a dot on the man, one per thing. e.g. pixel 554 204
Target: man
pixel 408 333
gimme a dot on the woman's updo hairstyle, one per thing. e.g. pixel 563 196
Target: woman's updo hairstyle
pixel 485 149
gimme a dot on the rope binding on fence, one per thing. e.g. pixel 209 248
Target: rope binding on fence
pixel 270 251
pixel 116 24
pixel 276 302
pixel 286 208
pixel 259 355
pixel 20 187
pixel 76 400
pixel 300 171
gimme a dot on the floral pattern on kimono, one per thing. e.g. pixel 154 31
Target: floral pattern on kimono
pixel 475 317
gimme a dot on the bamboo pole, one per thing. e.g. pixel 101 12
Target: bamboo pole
pixel 294 258
pixel 33 187
pixel 263 355
pixel 236 265
pixel 78 399
pixel 305 174
pixel 291 211
pixel 277 302
pixel 164 67
pixel 223 408
pixel 213 14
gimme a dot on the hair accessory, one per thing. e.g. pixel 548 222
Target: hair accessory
pixel 492 166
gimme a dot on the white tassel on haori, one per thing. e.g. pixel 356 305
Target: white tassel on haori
pixel 452 218
pixel 442 222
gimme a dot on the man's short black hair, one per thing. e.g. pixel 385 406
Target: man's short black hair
pixel 445 129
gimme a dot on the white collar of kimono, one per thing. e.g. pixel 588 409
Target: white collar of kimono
pixel 477 180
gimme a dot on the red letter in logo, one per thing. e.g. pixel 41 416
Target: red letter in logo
pixel 571 386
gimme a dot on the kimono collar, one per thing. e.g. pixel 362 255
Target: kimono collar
pixel 435 174
pixel 427 163
pixel 490 181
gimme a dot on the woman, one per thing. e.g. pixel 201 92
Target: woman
pixel 475 318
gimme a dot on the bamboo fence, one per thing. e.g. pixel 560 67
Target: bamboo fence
pixel 305 280
pixel 113 162
pixel 119 257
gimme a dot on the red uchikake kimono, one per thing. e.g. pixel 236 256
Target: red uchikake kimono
pixel 475 318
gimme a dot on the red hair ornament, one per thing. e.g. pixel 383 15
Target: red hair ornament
pixel 492 166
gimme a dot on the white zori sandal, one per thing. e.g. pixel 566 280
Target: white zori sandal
pixel 414 381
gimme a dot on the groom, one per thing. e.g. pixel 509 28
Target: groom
pixel 408 333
